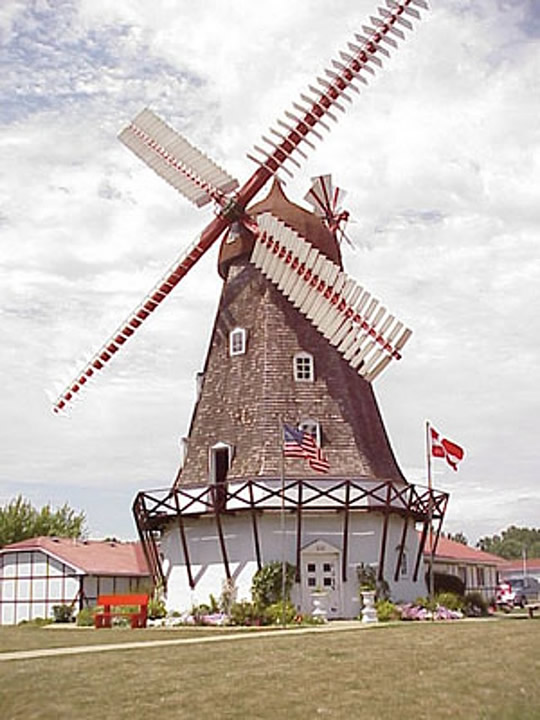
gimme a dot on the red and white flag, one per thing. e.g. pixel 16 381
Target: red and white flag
pixel 444 448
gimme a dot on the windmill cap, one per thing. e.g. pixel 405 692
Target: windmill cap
pixel 238 241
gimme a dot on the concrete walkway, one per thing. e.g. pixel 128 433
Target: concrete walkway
pixel 225 637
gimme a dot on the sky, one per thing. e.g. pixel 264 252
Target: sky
pixel 440 157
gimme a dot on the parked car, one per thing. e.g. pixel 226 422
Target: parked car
pixel 526 589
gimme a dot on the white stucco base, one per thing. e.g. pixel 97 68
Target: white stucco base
pixel 322 545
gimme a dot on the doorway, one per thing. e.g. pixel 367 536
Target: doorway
pixel 320 573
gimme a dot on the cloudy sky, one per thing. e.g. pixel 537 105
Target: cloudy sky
pixel 441 161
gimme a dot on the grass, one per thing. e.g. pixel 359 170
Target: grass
pixel 473 670
pixel 28 637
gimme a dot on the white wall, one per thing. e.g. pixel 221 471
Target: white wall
pixel 207 568
pixel 32 582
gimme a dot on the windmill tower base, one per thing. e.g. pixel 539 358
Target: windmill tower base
pixel 325 531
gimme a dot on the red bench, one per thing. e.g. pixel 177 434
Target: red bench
pixel 122 606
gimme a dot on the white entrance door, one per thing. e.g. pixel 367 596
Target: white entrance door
pixel 320 572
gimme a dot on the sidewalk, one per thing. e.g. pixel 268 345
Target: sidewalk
pixel 336 626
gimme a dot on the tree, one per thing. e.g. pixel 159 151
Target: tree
pixel 19 520
pixel 458 537
pixel 512 543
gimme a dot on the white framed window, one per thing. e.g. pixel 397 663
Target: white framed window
pixel 303 367
pixel 237 341
pixel 313 428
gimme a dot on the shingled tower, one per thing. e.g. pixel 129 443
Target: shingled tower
pixel 268 365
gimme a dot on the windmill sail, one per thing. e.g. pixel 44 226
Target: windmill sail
pixel 174 159
pixel 365 334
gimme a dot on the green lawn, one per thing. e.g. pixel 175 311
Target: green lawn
pixel 407 670
pixel 28 637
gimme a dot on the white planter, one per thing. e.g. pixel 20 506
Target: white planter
pixel 319 605
pixel 369 613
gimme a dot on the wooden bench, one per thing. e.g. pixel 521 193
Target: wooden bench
pixel 122 606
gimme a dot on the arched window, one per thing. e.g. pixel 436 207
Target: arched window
pixel 304 367
pixel 237 341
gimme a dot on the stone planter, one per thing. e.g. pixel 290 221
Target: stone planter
pixel 369 613
pixel 318 600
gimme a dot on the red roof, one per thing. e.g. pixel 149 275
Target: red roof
pixel 451 550
pixel 512 567
pixel 93 557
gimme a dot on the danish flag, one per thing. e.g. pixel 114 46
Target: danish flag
pixel 443 448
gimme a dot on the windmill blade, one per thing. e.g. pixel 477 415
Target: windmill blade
pixel 363 332
pixel 174 159
pixel 326 201
pixel 310 116
pixel 142 311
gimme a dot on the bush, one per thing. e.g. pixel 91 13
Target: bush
pixel 444 582
pixel 267 585
pixel 475 605
pixel 156 609
pixel 449 600
pixel 36 622
pixel 387 611
pixel 63 613
pixel 85 618
pixel 274 614
pixel 245 613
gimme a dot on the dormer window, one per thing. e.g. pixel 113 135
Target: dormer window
pixel 237 341
pixel 304 368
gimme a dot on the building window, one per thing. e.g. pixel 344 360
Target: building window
pixel 313 428
pixel 304 369
pixel 237 341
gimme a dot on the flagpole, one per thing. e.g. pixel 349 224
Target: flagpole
pixel 283 561
pixel 430 512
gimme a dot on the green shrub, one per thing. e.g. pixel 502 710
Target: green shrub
pixel 276 613
pixel 386 611
pixel 475 605
pixel 85 618
pixel 156 608
pixel 267 585
pixel 449 600
pixel 63 613
pixel 36 622
pixel 367 578
pixel 245 613
pixel 309 620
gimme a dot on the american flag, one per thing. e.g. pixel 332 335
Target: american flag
pixel 301 444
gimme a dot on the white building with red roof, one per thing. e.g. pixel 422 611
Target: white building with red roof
pixel 39 573
pixel 479 570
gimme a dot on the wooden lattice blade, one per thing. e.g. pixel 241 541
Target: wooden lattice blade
pixel 363 332
pixel 326 96
pixel 143 310
pixel 174 159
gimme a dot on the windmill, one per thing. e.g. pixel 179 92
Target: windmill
pixel 286 300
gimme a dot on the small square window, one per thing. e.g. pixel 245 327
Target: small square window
pixel 327 567
pixel 304 367
pixel 237 341
pixel 311 567
pixel 327 582
pixel 311 581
